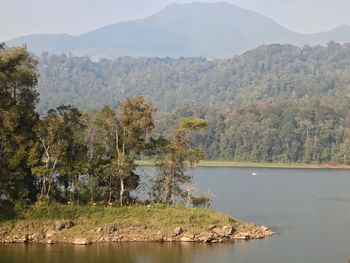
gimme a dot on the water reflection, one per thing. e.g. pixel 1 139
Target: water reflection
pixel 116 253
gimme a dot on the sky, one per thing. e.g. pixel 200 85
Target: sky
pixel 23 17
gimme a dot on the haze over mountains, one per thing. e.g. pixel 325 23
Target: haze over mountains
pixel 218 30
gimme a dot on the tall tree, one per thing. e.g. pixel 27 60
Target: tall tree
pixel 135 123
pixel 175 158
pixel 116 140
pixel 60 151
pixel 18 99
pixel 101 137
pixel 73 156
pixel 45 156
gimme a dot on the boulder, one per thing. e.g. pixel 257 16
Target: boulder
pixel 68 224
pixel 37 237
pixel 187 237
pixel 219 231
pixel 26 238
pixel 110 229
pixel 224 231
pixel 211 227
pixel 59 225
pixel 81 241
pixel 242 236
pixel 50 234
pixel 206 237
pixel 264 228
pixel 178 231
pixel 50 242
pixel 228 230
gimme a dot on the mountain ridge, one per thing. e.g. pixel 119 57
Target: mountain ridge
pixel 213 30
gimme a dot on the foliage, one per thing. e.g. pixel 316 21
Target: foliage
pixel 201 201
pixel 174 159
pixel 18 99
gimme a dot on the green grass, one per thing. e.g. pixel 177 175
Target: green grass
pixel 157 217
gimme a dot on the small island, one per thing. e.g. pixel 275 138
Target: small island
pixel 73 177
pixel 156 222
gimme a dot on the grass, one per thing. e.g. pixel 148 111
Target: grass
pixel 262 165
pixel 153 219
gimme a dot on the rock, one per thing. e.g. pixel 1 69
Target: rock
pixel 68 224
pixel 178 231
pixel 37 237
pixel 242 236
pixel 50 234
pixel 110 229
pixel 59 225
pixel 206 237
pixel 186 239
pixel 81 241
pixel 228 230
pixel 99 230
pixel 168 239
pixel 219 232
pixel 211 227
pixel 26 238
pixel 50 242
pixel 21 240
pixel 268 233
pixel 264 228
pixel 223 231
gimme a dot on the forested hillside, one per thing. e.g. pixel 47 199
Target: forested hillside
pixel 274 103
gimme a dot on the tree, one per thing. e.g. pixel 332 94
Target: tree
pixel 115 142
pixel 101 141
pixel 18 99
pixel 72 140
pixel 60 151
pixel 45 155
pixel 136 121
pixel 175 158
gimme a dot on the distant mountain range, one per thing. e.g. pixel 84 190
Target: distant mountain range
pixel 212 30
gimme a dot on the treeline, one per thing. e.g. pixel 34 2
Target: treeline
pixel 67 156
pixel 274 72
pixel 307 131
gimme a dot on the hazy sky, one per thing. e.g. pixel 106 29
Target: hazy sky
pixel 21 17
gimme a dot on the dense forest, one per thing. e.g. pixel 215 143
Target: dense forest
pixel 276 103
pixel 68 156
pixel 275 72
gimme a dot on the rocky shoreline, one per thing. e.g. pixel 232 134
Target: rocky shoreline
pixel 61 231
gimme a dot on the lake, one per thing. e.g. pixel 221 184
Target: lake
pixel 310 209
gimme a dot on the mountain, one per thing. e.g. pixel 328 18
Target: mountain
pixel 213 30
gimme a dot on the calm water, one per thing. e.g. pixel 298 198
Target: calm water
pixel 309 208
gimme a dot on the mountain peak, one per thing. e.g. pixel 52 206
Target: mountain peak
pixel 202 6
pixel 213 30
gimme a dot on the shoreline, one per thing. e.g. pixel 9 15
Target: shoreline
pixel 129 224
pixel 326 166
